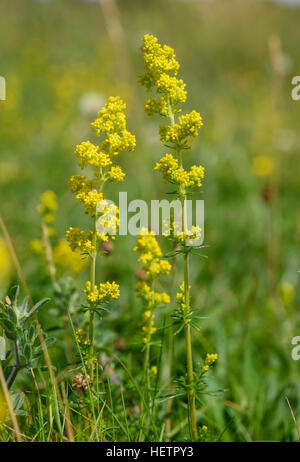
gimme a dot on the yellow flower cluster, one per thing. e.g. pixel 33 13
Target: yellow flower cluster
pixel 153 266
pixel 148 295
pixel 80 240
pixel 209 360
pixel 116 174
pixel 147 246
pixel 47 206
pixel 64 258
pixel 189 234
pixel 150 255
pixel 108 221
pixel 105 292
pixel 180 237
pixel 188 125
pixel 88 154
pixel 81 338
pixel 168 165
pixel 90 199
pixel 161 72
pixel 180 297
pixel 111 123
pixel 148 320
pixel 111 127
pixel 79 183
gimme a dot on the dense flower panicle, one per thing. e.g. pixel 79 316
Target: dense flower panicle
pixel 161 73
pixel 147 246
pixel 157 59
pixel 48 206
pixel 145 292
pixel 111 126
pixel 173 87
pixel 161 70
pixel 108 222
pixel 86 152
pixel 188 126
pixel 79 240
pixel 76 182
pixel 153 266
pixel 152 299
pixel 156 268
pixel 105 292
pixel 90 199
pixel 148 320
pixel 156 105
pixel 111 117
pixel 114 143
pixel 150 255
pixel 116 174
pixel 111 123
pixel 168 165
pixel 196 174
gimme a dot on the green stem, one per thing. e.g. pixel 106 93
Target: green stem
pixel 93 283
pixel 187 326
pixel 12 376
pixel 189 354
pixel 145 376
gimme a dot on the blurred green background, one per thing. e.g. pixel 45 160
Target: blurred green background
pixel 61 60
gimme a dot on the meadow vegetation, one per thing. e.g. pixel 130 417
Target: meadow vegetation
pixel 142 338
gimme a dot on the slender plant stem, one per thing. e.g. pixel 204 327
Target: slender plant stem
pixel 189 354
pixel 187 326
pixel 15 370
pixel 144 388
pixel 145 376
pixel 12 377
pixel 93 283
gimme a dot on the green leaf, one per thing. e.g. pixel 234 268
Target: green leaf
pixel 12 314
pixel 8 325
pixel 38 305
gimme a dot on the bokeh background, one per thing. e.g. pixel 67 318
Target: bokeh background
pixel 61 60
